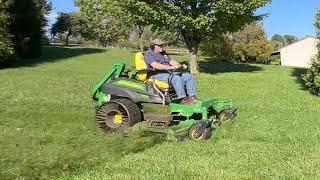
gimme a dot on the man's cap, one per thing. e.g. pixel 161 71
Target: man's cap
pixel 157 42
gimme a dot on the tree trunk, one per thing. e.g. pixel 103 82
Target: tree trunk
pixel 194 63
pixel 103 42
pixel 140 34
pixel 141 44
pixel 192 40
pixel 67 38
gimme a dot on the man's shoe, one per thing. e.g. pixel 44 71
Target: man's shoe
pixel 193 99
pixel 189 100
pixel 185 101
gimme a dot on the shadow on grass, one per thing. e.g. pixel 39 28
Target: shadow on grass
pixel 53 54
pixel 213 67
pixel 140 143
pixel 297 72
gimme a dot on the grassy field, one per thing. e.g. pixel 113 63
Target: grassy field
pixel 47 127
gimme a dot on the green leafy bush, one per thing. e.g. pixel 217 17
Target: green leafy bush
pixel 26 28
pixel 312 78
pixel 246 45
pixel 275 60
pixel 6 46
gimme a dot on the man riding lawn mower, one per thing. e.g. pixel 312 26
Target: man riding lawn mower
pixel 157 79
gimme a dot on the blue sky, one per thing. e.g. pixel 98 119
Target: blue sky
pixel 295 17
pixel 61 6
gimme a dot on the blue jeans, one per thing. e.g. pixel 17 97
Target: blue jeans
pixel 180 82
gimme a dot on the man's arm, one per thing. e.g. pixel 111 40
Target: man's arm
pixel 174 63
pixel 159 66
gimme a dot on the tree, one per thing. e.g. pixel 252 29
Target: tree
pixel 6 46
pixel 219 48
pixel 251 44
pixel 312 78
pixel 277 41
pixel 289 39
pixel 44 7
pixel 70 24
pixel 62 25
pixel 278 37
pixel 110 22
pixel 195 20
pixel 246 45
pixel 135 40
pixel 28 26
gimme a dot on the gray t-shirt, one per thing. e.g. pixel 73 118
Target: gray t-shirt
pixel 151 56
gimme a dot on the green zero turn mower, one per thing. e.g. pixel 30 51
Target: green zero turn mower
pixel 122 94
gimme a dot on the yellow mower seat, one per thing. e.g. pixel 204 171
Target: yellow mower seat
pixel 142 75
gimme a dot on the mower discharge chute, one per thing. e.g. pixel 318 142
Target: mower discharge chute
pixel 121 97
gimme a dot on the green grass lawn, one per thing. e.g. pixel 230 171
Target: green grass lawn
pixel 47 124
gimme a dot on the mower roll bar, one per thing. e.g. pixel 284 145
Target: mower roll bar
pixel 116 72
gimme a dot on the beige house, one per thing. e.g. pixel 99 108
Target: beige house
pixel 300 53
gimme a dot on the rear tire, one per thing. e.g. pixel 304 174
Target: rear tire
pixel 118 115
pixel 206 134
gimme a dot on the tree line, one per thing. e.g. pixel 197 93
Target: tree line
pixel 226 30
pixel 193 22
pixel 22 28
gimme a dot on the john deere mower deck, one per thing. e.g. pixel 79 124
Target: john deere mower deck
pixel 121 99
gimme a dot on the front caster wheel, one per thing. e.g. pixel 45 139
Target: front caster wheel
pixel 205 135
pixel 227 114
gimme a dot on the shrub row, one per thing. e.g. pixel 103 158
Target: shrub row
pixel 312 78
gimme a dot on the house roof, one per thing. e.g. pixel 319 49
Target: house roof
pixel 297 42
pixel 276 52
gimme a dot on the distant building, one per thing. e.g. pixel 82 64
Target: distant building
pixel 300 53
